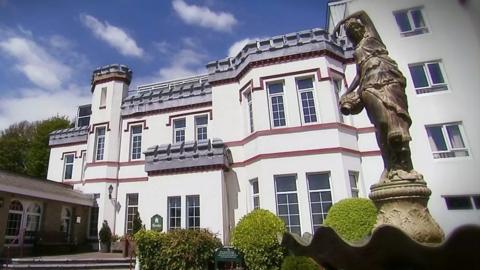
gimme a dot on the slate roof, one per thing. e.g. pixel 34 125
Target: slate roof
pixel 187 155
pixel 43 189
pixel 312 40
pixel 68 136
pixel 168 95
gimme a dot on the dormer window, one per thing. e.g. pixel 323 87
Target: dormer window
pixel 83 115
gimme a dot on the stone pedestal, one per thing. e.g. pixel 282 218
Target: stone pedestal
pixel 403 204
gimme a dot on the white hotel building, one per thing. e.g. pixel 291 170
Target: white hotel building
pixel 262 129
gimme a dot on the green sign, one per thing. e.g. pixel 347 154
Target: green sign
pixel 227 254
pixel 156 223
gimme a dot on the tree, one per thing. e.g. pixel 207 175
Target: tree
pixel 14 143
pixel 38 154
pixel 24 146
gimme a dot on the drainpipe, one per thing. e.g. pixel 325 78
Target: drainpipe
pixel 118 171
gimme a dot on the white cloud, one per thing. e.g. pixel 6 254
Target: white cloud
pixel 186 62
pixel 238 46
pixel 113 35
pixel 203 16
pixel 47 63
pixel 35 62
pixel 59 42
pixel 37 104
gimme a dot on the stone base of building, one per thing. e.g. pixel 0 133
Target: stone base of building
pixel 403 204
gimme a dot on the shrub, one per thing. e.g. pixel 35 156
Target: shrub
pixel 150 245
pixel 178 249
pixel 299 263
pixel 255 236
pixel 137 223
pixel 353 218
pixel 105 234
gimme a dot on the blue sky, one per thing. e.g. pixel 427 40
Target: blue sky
pixel 49 48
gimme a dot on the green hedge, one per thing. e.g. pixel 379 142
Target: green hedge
pixel 353 218
pixel 255 236
pixel 299 263
pixel 179 249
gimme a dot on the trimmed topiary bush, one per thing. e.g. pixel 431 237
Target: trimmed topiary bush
pixel 176 250
pixel 299 263
pixel 353 218
pixel 255 236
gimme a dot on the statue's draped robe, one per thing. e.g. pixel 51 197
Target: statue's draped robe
pixel 381 77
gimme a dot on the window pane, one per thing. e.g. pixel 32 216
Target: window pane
pixel 201 120
pixel 305 83
pixel 255 187
pixel 417 18
pixel 402 21
pixel 101 131
pixel 275 88
pixel 179 123
pixel 455 136
pixel 318 181
pixel 435 73
pixel 435 136
pixel 418 76
pixel 136 129
pixel 476 201
pixel 285 183
pixel 458 203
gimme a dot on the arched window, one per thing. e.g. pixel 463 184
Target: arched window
pixel 14 220
pixel 34 212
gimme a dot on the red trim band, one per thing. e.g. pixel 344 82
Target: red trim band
pixel 332 150
pixel 333 125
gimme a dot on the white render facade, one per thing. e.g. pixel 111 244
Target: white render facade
pixel 262 129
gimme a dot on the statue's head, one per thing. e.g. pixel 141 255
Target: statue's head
pixel 355 30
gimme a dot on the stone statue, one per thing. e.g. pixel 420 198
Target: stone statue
pixel 401 195
pixel 381 91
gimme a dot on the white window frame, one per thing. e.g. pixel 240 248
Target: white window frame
pixel 270 96
pixel 133 136
pixel 103 98
pixel 255 196
pixel 277 193
pixel 127 215
pixel 198 126
pixel 353 178
pixel 300 101
pixel 248 96
pixel 96 197
pixel 98 156
pixel 188 206
pixel 175 217
pixel 65 164
pixel 414 30
pixel 450 152
pixel 310 191
pixel 432 87
pixel 82 117
pixel 180 129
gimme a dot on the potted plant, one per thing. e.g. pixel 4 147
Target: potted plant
pixel 105 236
pixel 117 243
pixel 129 242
